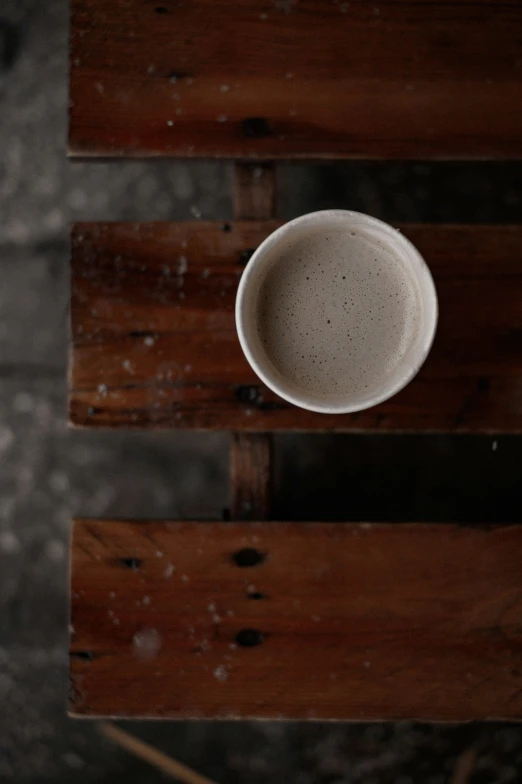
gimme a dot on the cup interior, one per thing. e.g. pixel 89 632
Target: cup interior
pixel 367 232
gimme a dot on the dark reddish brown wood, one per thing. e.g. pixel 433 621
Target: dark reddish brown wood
pixel 154 341
pixel 251 473
pixel 336 621
pixel 250 79
pixel 254 191
pixel 251 453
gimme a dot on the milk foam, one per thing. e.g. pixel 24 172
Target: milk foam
pixel 336 311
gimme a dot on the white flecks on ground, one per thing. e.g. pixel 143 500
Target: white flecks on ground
pixel 146 600
pixel 169 570
pixel 216 618
pixel 195 211
pixel 149 340
pixel 170 123
pixel 146 643
pixel 494 446
pixel 289 75
pixel 184 578
pixel 112 594
pixel 55 550
pixel 6 438
pixel 211 607
pixel 23 403
pixel 184 187
pixel 9 544
pixel 159 553
pixel 102 390
pixel 99 87
pixel 230 613
pixel 128 366
pixel 222 118
pixel 221 673
pixel 225 88
pixel 367 664
pixel 59 481
pixel 205 273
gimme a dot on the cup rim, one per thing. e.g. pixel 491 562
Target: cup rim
pixel 273 240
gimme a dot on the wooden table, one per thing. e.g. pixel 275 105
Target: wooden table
pixel 287 620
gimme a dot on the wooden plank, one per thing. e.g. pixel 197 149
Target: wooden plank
pixel 249 79
pixel 154 341
pixel 323 621
pixel 254 191
pixel 251 476
pixel 251 453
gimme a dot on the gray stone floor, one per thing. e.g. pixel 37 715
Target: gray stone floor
pixel 47 474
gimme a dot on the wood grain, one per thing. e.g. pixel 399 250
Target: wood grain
pixel 154 341
pixel 332 621
pixel 254 191
pixel 251 476
pixel 251 453
pixel 251 79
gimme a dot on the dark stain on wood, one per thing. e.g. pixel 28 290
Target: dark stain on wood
pixel 82 655
pixel 256 127
pixel 257 595
pixel 248 557
pixel 248 393
pixel 131 563
pixel 246 255
pixel 249 638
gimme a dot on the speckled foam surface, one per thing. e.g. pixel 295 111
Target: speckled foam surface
pixel 48 473
pixel 337 312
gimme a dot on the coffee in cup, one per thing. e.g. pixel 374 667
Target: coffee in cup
pixel 336 311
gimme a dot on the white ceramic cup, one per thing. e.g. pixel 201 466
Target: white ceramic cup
pixel 263 259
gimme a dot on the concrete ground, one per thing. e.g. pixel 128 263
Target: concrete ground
pixel 49 474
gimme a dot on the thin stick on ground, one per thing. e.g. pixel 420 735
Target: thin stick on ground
pixel 153 756
pixel 464 767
